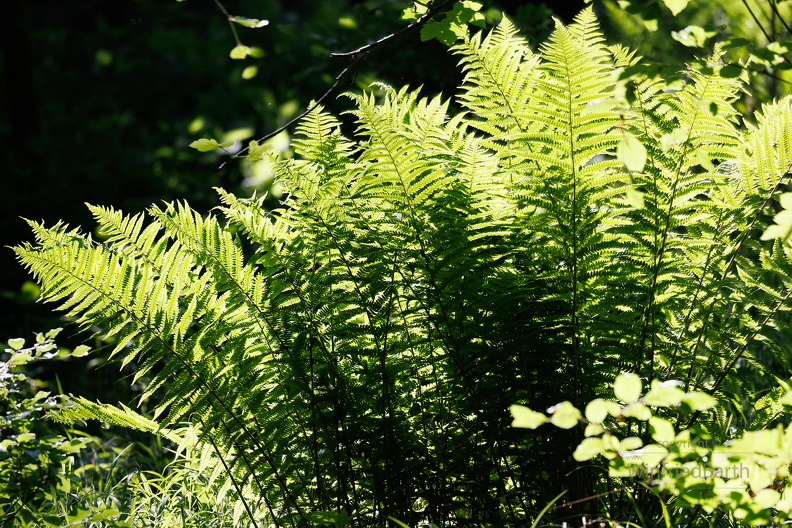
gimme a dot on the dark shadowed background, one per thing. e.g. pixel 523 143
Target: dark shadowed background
pixel 99 100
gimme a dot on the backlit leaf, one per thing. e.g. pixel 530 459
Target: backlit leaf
pixel 208 145
pixel 525 417
pixel 249 72
pixel 782 228
pixel 627 387
pixel 676 6
pixel 81 350
pixel 632 153
pixel 249 22
pixel 635 198
pixel 240 51
pixel 564 415
pixel 699 401
pixel 588 449
pixel 637 410
pixel 662 430
pixel 597 410
pixel 664 394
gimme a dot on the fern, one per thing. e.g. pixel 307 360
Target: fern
pixel 356 349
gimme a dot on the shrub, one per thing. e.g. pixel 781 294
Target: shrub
pixel 350 356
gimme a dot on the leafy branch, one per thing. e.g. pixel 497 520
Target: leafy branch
pixel 356 56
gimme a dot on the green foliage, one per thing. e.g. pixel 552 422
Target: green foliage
pixel 453 25
pixel 352 353
pixel 53 477
pixel 755 36
pixel 782 228
pixel 40 484
pixel 746 477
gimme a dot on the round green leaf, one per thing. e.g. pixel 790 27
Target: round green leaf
pixel 597 410
pixel 588 449
pixel 766 498
pixel 208 145
pixel 205 145
pixel 610 442
pixel 26 437
pixel 240 52
pixel 631 443
pixel 525 417
pixel 783 220
pixel 699 401
pixel 19 359
pixel 627 387
pixel 635 198
pixel 17 343
pixel 676 6
pixel 651 455
pixel 664 394
pixel 249 72
pixel 662 430
pixel 594 430
pixel 565 415
pixel 52 334
pixel 618 468
pixel 637 410
pixel 81 351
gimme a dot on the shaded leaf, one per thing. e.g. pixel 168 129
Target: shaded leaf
pixel 325 517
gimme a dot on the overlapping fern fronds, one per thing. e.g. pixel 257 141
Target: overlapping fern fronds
pixel 356 349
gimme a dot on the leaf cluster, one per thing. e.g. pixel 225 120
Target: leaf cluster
pixel 747 475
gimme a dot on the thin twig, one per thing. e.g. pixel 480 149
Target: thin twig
pixel 374 45
pixel 758 24
pixel 357 56
pixel 774 7
pixel 229 18
pixel 763 30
